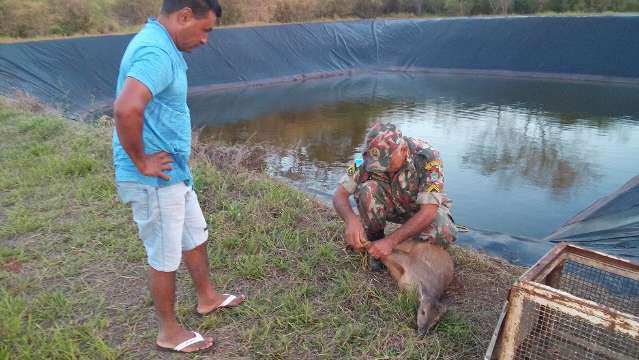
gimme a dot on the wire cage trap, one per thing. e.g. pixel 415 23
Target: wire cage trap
pixel 573 304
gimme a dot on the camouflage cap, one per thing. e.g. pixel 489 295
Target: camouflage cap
pixel 381 141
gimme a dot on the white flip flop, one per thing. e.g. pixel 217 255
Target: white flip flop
pixel 225 304
pixel 186 343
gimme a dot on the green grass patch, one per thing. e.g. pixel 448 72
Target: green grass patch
pixel 73 275
pixel 42 329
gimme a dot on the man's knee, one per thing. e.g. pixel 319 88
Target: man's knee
pixel 195 248
pixel 442 231
pixel 195 232
pixel 163 262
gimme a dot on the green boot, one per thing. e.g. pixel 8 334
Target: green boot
pixel 375 264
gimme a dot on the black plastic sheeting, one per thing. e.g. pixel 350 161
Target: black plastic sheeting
pixel 515 249
pixel 612 221
pixel 79 74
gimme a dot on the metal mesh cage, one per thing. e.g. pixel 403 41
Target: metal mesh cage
pixel 574 304
pixel 547 333
pixel 603 287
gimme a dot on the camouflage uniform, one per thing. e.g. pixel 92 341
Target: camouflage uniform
pixel 420 181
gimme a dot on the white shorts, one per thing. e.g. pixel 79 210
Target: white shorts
pixel 169 221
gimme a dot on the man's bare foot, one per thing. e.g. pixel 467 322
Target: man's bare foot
pixel 210 304
pixel 169 341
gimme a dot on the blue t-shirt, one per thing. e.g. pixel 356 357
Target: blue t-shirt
pixel 153 59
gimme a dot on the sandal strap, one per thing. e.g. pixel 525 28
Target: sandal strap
pixel 229 299
pixel 195 339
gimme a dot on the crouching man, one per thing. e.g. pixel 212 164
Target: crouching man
pixel 401 180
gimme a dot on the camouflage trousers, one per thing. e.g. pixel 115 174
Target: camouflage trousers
pixel 377 205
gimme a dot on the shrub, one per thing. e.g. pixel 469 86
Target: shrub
pixel 526 6
pixel 231 12
pixel 294 10
pixel 136 12
pixel 80 16
pixel 24 18
pixel 246 11
pixel 335 9
pixel 368 8
pixel 30 18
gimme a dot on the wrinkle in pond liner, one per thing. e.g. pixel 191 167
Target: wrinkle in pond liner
pixel 80 73
pixel 515 249
pixel 611 222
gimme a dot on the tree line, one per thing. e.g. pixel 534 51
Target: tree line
pixel 31 18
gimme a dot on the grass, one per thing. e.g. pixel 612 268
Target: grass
pixel 72 271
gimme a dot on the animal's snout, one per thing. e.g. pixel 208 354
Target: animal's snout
pixel 422 330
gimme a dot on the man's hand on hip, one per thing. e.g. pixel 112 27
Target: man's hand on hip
pixel 155 165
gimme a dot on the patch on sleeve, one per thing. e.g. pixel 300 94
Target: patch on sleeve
pixel 351 170
pixel 432 165
pixel 434 188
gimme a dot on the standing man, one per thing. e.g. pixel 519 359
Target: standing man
pixel 402 181
pixel 151 149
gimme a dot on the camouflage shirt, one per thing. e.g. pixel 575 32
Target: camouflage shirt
pixel 419 182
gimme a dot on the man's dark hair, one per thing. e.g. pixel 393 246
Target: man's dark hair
pixel 200 8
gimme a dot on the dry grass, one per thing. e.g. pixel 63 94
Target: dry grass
pixel 234 157
pixel 23 101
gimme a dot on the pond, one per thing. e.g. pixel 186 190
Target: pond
pixel 521 156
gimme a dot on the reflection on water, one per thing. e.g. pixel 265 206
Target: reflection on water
pixel 529 148
pixel 319 134
pixel 520 156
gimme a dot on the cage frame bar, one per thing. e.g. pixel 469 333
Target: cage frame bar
pixel 535 285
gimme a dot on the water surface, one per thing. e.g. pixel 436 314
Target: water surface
pixel 520 156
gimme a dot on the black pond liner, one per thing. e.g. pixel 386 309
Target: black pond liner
pixel 79 76
pixel 80 73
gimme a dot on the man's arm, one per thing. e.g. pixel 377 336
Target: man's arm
pixel 354 234
pixel 415 225
pixel 128 110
